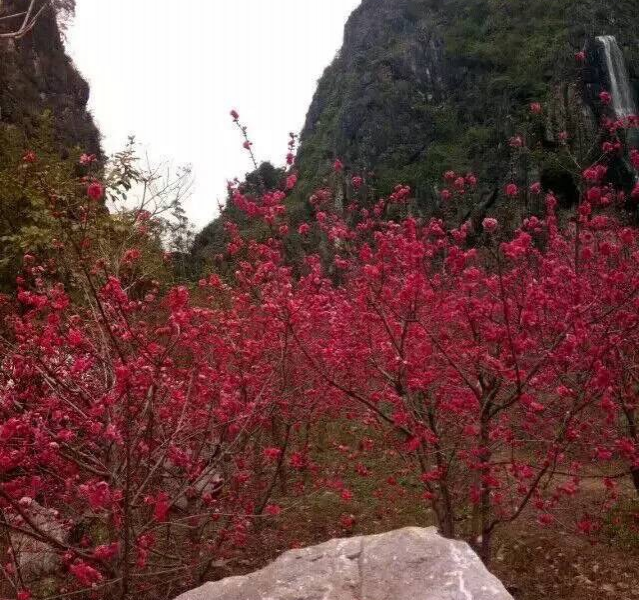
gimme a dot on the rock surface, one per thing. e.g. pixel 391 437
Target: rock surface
pixel 36 75
pixel 407 564
pixel 423 86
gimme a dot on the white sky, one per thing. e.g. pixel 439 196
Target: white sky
pixel 170 72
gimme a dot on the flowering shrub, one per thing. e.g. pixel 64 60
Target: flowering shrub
pixel 148 429
pixel 132 419
pixel 497 369
pixel 128 415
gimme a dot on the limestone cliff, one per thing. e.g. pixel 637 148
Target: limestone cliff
pixel 421 86
pixel 36 75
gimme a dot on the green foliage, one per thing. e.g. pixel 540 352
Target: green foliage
pixel 25 225
pixel 43 199
pixel 213 239
pixel 424 86
pixel 622 526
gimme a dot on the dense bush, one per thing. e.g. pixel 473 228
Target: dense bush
pixel 148 429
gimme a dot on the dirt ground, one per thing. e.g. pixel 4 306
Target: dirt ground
pixel 536 564
pixel 532 561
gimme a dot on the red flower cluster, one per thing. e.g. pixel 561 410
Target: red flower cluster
pixel 605 98
pixel 95 191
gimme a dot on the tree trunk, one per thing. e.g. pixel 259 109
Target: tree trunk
pixel 634 473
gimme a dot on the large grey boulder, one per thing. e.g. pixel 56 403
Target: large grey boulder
pixel 407 564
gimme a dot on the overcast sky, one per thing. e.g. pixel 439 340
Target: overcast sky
pixel 170 72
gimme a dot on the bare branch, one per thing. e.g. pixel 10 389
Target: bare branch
pixel 29 19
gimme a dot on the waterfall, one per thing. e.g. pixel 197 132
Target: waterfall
pixel 623 99
pixel 624 104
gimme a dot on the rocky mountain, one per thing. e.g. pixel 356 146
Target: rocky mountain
pixel 36 75
pixel 422 86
